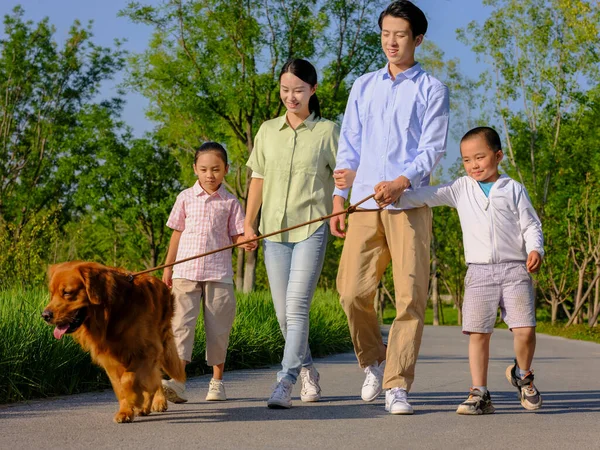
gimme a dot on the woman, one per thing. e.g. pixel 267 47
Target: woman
pixel 292 163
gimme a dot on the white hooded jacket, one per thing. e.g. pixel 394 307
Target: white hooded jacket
pixel 500 228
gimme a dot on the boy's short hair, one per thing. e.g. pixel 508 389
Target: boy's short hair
pixel 491 137
pixel 408 11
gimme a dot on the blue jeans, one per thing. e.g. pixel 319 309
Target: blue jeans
pixel 293 269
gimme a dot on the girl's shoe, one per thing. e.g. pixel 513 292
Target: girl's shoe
pixel 174 391
pixel 216 391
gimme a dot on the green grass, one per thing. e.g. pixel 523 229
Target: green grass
pixel 33 364
pixel 578 332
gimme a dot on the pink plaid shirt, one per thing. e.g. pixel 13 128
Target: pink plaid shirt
pixel 207 222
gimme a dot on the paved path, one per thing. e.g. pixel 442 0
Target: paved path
pixel 568 375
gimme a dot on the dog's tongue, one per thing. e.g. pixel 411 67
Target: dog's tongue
pixel 60 331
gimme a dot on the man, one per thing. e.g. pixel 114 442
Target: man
pixel 393 134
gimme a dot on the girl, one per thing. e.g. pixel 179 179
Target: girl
pixel 205 217
pixel 292 163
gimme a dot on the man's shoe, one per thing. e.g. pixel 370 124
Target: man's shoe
pixel 529 396
pixel 311 391
pixel 174 391
pixel 216 391
pixel 373 382
pixel 478 403
pixel 281 398
pixel 396 402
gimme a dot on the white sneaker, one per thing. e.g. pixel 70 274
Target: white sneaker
pixel 396 402
pixel 216 391
pixel 174 391
pixel 311 391
pixel 281 398
pixel 373 382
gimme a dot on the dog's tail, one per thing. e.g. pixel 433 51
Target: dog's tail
pixel 172 364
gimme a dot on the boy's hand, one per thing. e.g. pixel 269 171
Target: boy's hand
pixel 534 262
pixel 344 178
pixel 387 192
pixel 168 276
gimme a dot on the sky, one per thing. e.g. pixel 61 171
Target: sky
pixel 444 16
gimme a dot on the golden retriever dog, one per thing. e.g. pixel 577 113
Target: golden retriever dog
pixel 125 325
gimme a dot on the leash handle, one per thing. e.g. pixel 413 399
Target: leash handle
pixel 349 210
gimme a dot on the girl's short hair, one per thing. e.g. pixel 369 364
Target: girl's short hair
pixel 491 137
pixel 211 147
pixel 408 11
pixel 307 73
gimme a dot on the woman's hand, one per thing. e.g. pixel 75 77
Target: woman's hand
pixel 249 233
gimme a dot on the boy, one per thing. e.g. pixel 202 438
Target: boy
pixel 503 241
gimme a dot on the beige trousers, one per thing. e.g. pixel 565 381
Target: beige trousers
pixel 372 240
pixel 218 302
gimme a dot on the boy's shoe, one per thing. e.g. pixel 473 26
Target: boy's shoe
pixel 281 398
pixel 373 381
pixel 216 391
pixel 529 396
pixel 311 391
pixel 174 391
pixel 396 402
pixel 478 403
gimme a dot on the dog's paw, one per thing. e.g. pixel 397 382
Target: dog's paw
pixel 159 404
pixel 124 417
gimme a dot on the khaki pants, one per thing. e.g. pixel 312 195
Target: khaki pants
pixel 218 303
pixel 372 239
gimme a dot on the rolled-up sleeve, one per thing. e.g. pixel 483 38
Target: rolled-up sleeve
pixel 348 153
pixel 236 219
pixel 432 144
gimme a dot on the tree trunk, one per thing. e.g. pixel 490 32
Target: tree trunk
pixel 249 271
pixel 239 272
pixel 593 317
pixel 554 307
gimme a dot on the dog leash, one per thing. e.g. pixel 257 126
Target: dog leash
pixel 349 210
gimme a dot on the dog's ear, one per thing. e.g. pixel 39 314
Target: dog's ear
pixel 97 281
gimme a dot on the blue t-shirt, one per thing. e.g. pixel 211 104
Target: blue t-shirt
pixel 486 187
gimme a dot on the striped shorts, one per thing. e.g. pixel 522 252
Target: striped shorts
pixel 489 286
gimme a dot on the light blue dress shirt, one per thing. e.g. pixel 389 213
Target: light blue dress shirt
pixel 393 128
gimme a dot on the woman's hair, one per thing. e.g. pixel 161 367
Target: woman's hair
pixel 307 73
pixel 212 147
pixel 406 10
pixel 489 135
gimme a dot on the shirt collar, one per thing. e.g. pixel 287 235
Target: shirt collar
pixel 199 191
pixel 408 74
pixel 309 122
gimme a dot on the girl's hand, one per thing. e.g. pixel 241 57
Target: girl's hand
pixel 249 233
pixel 344 178
pixel 168 276
pixel 534 262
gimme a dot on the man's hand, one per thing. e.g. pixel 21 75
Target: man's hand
pixel 534 262
pixel 344 178
pixel 168 276
pixel 387 192
pixel 337 224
